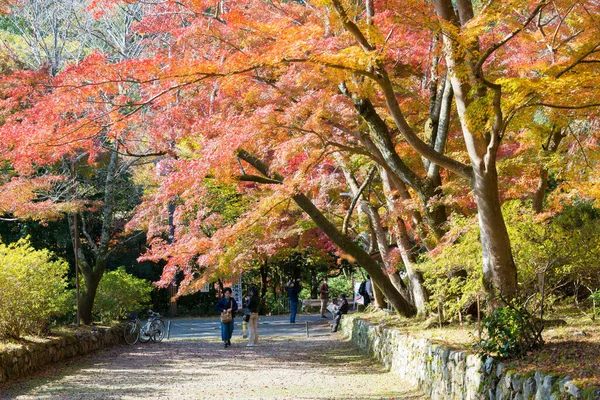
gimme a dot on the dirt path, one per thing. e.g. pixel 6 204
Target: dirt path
pixel 323 367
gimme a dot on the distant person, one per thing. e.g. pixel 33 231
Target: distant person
pixel 229 305
pixel 341 310
pixel 253 303
pixel 324 295
pixel 365 291
pixel 294 287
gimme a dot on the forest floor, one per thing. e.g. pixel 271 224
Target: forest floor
pixel 320 367
pixel 572 348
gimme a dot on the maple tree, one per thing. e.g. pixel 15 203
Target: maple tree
pixel 92 182
pixel 292 102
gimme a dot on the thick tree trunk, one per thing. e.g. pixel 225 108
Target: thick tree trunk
pixel 92 276
pixel 92 280
pixel 378 297
pixel 499 270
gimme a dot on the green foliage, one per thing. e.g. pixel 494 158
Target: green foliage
pixel 595 298
pixel 453 275
pixel 548 252
pixel 550 249
pixel 510 331
pixel 340 284
pixel 33 287
pixel 120 292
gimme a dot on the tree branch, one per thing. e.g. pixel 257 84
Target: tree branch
pixel 357 195
pixel 258 179
pixel 511 35
pixel 352 27
pixel 411 137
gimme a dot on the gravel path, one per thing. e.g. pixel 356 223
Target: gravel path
pixel 321 367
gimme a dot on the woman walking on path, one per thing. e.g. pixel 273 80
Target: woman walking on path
pixel 253 303
pixel 227 303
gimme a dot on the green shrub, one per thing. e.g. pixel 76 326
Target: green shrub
pixel 33 287
pixel 340 284
pixel 510 331
pixel 120 292
pixel 453 273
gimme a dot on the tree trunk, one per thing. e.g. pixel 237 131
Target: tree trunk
pixel 378 297
pixel 379 232
pixel 419 294
pixel 92 280
pixel 482 143
pixel 499 270
pixel 415 277
pixel 400 304
pixel 540 191
pixel 92 276
pixel 554 139
pixel 173 286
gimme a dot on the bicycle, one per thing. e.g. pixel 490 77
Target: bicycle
pixel 154 329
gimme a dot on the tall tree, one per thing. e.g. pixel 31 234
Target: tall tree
pixel 292 83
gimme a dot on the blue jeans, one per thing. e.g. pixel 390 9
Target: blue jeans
pixel 294 307
pixel 226 330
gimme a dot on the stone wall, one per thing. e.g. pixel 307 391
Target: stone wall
pixel 23 361
pixel 446 374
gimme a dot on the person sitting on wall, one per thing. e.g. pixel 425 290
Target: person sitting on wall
pixel 341 310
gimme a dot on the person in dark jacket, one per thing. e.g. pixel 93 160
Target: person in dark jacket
pixel 227 303
pixel 341 310
pixel 324 296
pixel 253 303
pixel 294 287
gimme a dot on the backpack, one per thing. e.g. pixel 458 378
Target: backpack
pixel 362 289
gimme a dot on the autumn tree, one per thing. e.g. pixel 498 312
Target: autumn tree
pixel 89 178
pixel 282 98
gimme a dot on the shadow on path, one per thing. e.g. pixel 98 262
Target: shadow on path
pixel 321 367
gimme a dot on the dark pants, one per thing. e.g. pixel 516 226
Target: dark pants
pixel 226 330
pixel 367 299
pixel 294 308
pixel 336 322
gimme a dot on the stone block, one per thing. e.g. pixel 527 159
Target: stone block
pixel 529 387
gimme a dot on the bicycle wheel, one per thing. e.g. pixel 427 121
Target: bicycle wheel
pixel 145 333
pixel 158 330
pixel 131 332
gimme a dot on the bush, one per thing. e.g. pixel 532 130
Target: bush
pixel 120 292
pixel 453 273
pixel 340 284
pixel 33 287
pixel 510 331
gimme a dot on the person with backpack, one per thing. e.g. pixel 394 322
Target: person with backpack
pixel 227 306
pixel 365 291
pixel 294 287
